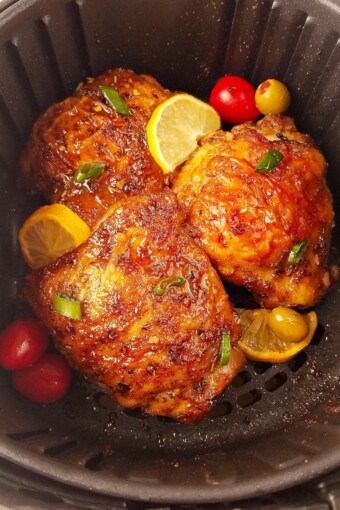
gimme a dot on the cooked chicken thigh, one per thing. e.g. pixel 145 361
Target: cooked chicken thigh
pixel 85 128
pixel 151 343
pixel 256 226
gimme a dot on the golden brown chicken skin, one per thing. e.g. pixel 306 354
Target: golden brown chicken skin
pixel 249 222
pixel 85 128
pixel 157 352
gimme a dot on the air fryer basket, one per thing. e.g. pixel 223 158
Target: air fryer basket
pixel 276 425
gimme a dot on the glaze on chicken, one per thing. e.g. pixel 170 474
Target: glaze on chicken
pixel 162 351
pixel 85 128
pixel 157 352
pixel 249 222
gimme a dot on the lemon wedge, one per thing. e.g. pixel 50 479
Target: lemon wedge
pixel 50 232
pixel 175 126
pixel 260 343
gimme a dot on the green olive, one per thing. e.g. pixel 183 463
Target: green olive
pixel 288 324
pixel 272 96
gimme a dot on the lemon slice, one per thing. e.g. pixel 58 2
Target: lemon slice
pixel 175 126
pixel 50 232
pixel 260 343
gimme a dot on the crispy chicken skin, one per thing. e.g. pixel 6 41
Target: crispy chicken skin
pixel 248 222
pixel 159 353
pixel 85 128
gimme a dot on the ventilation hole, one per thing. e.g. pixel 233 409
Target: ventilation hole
pixel 261 368
pixel 249 398
pixel 60 449
pixel 220 409
pixel 105 401
pixel 318 335
pixel 20 436
pixel 296 363
pixel 247 420
pixel 93 462
pixel 275 382
pixel 241 379
pixel 136 413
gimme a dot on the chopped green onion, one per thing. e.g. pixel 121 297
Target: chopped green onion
pixel 114 100
pixel 225 350
pixel 67 305
pixel 90 170
pixel 163 285
pixel 297 251
pixel 269 161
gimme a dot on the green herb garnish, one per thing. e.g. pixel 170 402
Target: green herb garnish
pixel 67 305
pixel 163 285
pixel 225 350
pixel 87 171
pixel 297 251
pixel 114 100
pixel 269 161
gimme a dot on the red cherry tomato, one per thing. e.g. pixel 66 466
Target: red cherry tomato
pixel 233 98
pixel 22 343
pixel 44 382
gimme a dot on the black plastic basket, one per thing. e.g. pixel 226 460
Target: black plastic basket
pixel 276 425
